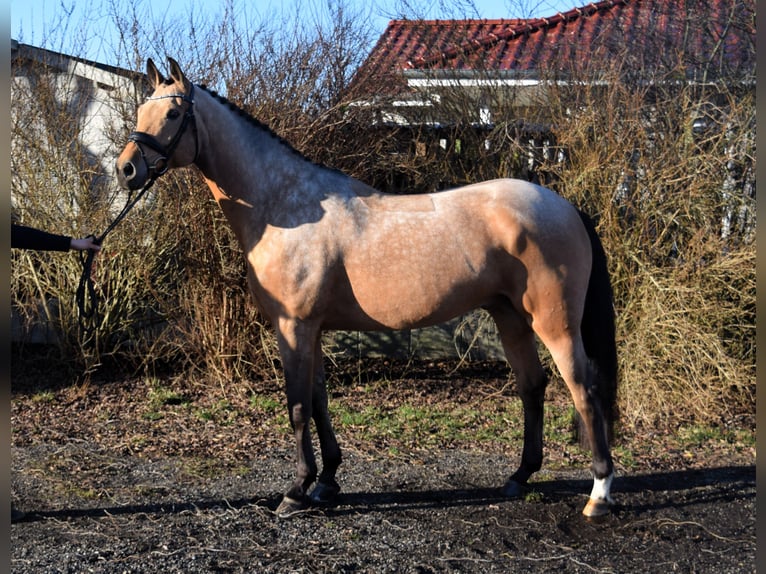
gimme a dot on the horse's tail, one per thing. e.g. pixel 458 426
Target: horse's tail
pixel 598 330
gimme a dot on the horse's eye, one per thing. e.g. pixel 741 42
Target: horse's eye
pixel 173 114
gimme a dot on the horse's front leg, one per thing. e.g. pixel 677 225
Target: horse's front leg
pixel 327 487
pixel 521 351
pixel 296 347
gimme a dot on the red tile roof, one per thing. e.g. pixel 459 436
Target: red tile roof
pixel 722 29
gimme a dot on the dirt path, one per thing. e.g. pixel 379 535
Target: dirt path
pixel 109 486
pixel 440 513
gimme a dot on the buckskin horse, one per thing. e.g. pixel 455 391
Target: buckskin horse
pixel 325 251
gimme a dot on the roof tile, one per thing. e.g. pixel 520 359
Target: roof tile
pixel 723 29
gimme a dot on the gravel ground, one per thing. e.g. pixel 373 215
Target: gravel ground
pixel 437 513
pixel 109 485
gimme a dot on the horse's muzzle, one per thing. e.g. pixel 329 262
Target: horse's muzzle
pixel 131 171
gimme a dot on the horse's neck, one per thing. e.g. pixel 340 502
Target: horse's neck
pixel 241 157
pixel 255 177
pixel 233 150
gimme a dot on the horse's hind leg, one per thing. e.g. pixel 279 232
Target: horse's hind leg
pixel 327 487
pixel 521 351
pixel 575 368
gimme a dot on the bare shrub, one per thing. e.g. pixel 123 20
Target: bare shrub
pixel 212 326
pixel 664 162
pixel 688 342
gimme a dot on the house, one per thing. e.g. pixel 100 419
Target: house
pixel 415 62
pixel 73 104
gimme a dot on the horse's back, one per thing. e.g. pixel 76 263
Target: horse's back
pixel 530 205
pixel 533 205
pixel 521 215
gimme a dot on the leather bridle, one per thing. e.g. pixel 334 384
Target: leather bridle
pixel 141 139
pixel 87 298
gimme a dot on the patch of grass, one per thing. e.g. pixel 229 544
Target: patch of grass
pixel 700 435
pixel 363 418
pixel 206 468
pixel 744 437
pixel 534 496
pixel 422 426
pixel 159 397
pixel 221 412
pixel 559 423
pixel 418 423
pixel 44 397
pixel 266 403
pixel 85 493
pixel 269 409
pixel 625 457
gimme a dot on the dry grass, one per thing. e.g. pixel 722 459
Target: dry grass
pixel 172 284
pixel 687 343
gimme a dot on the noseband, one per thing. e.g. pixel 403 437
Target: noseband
pixel 88 306
pixel 160 166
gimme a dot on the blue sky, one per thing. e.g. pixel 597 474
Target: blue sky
pixel 36 21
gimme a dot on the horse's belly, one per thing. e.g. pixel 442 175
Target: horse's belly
pixel 394 316
pixel 415 271
pixel 402 301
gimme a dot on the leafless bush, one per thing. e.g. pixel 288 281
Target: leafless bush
pixel 666 166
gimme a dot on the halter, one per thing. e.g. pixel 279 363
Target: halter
pixel 160 166
pixel 88 306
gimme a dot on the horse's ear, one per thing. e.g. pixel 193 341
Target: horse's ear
pixel 177 74
pixel 154 75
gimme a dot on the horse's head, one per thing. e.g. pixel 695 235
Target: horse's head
pixel 165 133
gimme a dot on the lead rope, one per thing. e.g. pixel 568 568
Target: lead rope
pixel 88 309
pixel 89 318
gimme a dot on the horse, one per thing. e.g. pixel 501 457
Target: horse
pixel 325 251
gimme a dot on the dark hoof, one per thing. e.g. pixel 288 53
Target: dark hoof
pixel 325 492
pixel 512 489
pixel 289 507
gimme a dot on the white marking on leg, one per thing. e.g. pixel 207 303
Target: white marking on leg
pixel 601 487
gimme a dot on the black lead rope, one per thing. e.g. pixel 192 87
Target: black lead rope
pixel 88 306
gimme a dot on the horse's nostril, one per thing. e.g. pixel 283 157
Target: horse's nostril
pixel 128 171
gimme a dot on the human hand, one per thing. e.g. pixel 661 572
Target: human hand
pixel 85 243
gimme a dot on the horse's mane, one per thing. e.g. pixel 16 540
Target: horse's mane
pixel 259 124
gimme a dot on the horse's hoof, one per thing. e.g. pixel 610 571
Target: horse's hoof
pixel 596 509
pixel 325 492
pixel 289 507
pixel 512 489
